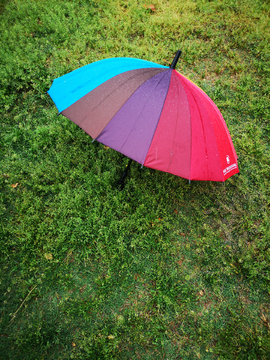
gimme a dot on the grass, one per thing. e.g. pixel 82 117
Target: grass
pixel 162 269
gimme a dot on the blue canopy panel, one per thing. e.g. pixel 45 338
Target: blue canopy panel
pixel 68 89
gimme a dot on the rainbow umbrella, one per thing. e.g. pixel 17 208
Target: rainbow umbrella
pixel 150 113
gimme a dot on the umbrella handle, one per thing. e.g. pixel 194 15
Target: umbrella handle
pixel 121 182
pixel 176 58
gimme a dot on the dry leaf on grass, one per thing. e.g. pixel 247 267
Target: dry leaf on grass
pixel 14 185
pixel 180 262
pixel 265 320
pixel 48 256
pixel 150 6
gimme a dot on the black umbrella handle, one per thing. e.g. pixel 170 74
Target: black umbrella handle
pixel 176 58
pixel 121 182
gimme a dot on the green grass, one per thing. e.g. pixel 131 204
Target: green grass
pixel 163 269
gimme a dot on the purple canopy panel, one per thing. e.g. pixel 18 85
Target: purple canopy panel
pixel 131 130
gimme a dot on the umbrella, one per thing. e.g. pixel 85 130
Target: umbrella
pixel 150 113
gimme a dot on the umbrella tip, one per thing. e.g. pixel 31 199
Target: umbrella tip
pixel 176 58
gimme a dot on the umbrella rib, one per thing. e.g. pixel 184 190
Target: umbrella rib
pixel 141 113
pixel 190 140
pixel 132 77
pixel 206 152
pixel 190 128
pixel 203 132
pixel 174 127
pixel 158 119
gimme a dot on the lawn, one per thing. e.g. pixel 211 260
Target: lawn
pixel 163 269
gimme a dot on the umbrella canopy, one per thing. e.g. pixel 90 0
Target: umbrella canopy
pixel 150 113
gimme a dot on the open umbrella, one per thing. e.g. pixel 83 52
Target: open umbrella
pixel 150 113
